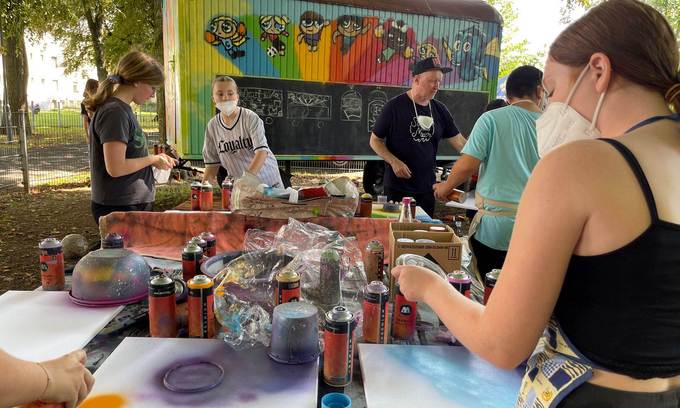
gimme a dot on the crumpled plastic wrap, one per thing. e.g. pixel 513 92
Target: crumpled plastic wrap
pixel 244 297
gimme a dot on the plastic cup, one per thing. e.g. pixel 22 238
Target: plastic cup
pixel 336 400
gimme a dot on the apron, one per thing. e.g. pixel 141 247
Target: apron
pixel 506 209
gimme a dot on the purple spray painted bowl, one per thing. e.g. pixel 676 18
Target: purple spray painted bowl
pixel 110 277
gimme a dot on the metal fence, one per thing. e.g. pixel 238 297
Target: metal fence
pixel 327 167
pixel 49 147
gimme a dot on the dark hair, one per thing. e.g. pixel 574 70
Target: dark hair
pixel 135 66
pixel 638 40
pixel 522 82
pixel 90 87
pixel 495 104
pixel 312 16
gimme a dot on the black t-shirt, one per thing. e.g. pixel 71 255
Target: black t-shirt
pixel 417 148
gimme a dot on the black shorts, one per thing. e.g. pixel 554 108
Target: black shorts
pixel 100 210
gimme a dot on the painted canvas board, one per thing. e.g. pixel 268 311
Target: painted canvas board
pixel 433 376
pixel 38 325
pixel 132 376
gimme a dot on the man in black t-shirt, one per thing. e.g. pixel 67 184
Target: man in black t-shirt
pixel 407 134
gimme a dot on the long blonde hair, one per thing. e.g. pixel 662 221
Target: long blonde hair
pixel 135 66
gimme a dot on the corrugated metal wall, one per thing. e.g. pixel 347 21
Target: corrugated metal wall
pixel 264 38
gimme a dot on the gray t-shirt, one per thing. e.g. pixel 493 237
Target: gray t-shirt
pixel 115 121
pixel 234 146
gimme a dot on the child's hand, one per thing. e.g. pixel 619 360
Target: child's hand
pixel 415 281
pixel 163 162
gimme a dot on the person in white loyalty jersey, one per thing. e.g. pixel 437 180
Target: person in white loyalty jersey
pixel 235 139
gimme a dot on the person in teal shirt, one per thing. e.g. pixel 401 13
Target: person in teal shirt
pixel 502 148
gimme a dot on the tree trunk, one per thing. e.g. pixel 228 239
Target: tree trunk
pixel 15 71
pixel 158 54
pixel 94 24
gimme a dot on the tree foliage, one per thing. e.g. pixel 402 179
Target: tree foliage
pixel 514 50
pixel 669 8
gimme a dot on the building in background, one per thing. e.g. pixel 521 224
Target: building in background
pixel 48 85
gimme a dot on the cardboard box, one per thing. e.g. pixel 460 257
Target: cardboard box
pixel 445 252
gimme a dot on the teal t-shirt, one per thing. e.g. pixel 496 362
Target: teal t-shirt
pixel 505 141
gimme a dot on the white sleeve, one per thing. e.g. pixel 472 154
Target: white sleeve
pixel 210 153
pixel 256 130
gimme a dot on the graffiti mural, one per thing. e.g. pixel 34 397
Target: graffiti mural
pixel 395 40
pixel 311 24
pixel 467 53
pixel 351 45
pixel 227 32
pixel 273 27
pixel 348 29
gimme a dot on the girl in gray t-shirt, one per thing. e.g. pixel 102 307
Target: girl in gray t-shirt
pixel 121 174
pixel 235 139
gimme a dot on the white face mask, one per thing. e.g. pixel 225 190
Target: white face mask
pixel 227 107
pixel 425 122
pixel 560 123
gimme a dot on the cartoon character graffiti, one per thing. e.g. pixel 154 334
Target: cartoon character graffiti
pixel 311 25
pixel 395 40
pixel 468 51
pixel 226 31
pixel 427 50
pixel 273 27
pixel 349 28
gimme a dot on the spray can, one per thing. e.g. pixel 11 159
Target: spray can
pixel 404 319
pixel 227 186
pixel 366 205
pixel 461 281
pixel 201 313
pixel 490 282
pixel 374 258
pixel 376 295
pixel 287 287
pixel 195 196
pixel 211 243
pixel 52 264
pixel 191 260
pixel 201 243
pixel 112 240
pixel 206 196
pixel 329 277
pixel 338 337
pixel 162 314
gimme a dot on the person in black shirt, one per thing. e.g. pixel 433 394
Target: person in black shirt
pixel 407 134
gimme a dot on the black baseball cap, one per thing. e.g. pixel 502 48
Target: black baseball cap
pixel 428 64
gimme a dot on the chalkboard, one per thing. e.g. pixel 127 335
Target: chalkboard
pixel 312 118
